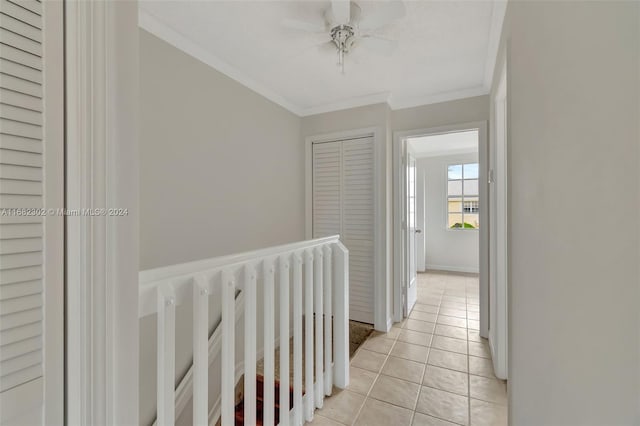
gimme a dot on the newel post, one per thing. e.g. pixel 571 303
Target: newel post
pixel 341 315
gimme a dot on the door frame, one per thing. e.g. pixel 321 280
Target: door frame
pixel 399 257
pixel 101 172
pixel 381 322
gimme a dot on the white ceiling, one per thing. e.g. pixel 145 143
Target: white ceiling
pixel 446 50
pixel 444 144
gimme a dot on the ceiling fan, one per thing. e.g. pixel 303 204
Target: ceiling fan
pixel 347 28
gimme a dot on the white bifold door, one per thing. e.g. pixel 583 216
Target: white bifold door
pixel 343 203
pixel 31 223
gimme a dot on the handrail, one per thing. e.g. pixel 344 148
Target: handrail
pixel 182 273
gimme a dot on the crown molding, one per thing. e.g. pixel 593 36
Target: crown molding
pixel 402 103
pixel 495 32
pixel 161 30
pixel 359 101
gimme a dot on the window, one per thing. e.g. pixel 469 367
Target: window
pixel 462 196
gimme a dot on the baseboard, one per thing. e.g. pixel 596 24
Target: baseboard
pixel 465 269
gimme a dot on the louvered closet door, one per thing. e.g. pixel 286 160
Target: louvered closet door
pixel 22 231
pixel 357 225
pixel 343 203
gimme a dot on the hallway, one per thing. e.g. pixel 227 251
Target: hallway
pixel 432 369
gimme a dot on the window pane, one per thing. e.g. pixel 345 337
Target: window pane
pixel 455 187
pixel 471 171
pixel 455 205
pixel 455 171
pixel 470 187
pixel 471 220
pixel 455 220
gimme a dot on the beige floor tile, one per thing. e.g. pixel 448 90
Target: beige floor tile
pixel 473 315
pixel 454 321
pixel 368 360
pixel 423 316
pixel 459 313
pixel 403 369
pixel 417 325
pixel 319 420
pixel 379 344
pixel 474 336
pixel 360 381
pixel 473 308
pixel 445 359
pixel 420 419
pixel 487 414
pixel 453 305
pixel 450 331
pixel 449 344
pixel 481 367
pixel 343 406
pixel 415 337
pixel 473 324
pixel 445 379
pixel 393 333
pixel 428 300
pixel 395 391
pixel 425 308
pixel 490 390
pixel 444 405
pixel 410 351
pixel 378 413
pixel 480 349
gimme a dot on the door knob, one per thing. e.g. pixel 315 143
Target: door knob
pixel 418 231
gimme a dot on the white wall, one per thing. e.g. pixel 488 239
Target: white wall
pixel 221 171
pixel 445 249
pixel 574 114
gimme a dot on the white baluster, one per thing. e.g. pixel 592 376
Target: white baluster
pixel 308 337
pixel 228 349
pixel 319 311
pixel 341 316
pixel 166 355
pixel 297 339
pixel 250 345
pixel 269 346
pixel 284 341
pixel 200 350
pixel 328 314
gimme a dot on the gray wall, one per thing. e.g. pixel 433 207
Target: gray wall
pixel 445 249
pixel 573 100
pixel 221 171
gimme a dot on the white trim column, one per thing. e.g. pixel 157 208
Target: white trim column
pixel 102 250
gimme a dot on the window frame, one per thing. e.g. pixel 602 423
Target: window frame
pixel 462 196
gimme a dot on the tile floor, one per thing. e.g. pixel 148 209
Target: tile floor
pixel 432 369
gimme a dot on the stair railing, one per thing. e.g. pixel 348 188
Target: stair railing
pixel 312 278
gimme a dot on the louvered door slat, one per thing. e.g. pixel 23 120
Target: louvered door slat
pixel 21 186
pixel 326 189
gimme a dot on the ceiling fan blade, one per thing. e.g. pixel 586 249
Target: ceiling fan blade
pixel 312 27
pixel 341 11
pixel 384 15
pixel 381 46
pixel 327 47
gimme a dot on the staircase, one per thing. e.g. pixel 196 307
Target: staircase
pixel 239 411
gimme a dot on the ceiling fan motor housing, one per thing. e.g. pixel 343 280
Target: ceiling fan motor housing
pixel 343 37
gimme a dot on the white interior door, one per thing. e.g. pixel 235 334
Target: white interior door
pixel 498 321
pixel 411 291
pixel 343 203
pixel 31 231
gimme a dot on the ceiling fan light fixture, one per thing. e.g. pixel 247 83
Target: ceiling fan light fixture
pixel 343 37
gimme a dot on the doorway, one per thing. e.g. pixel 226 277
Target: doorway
pixel 457 159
